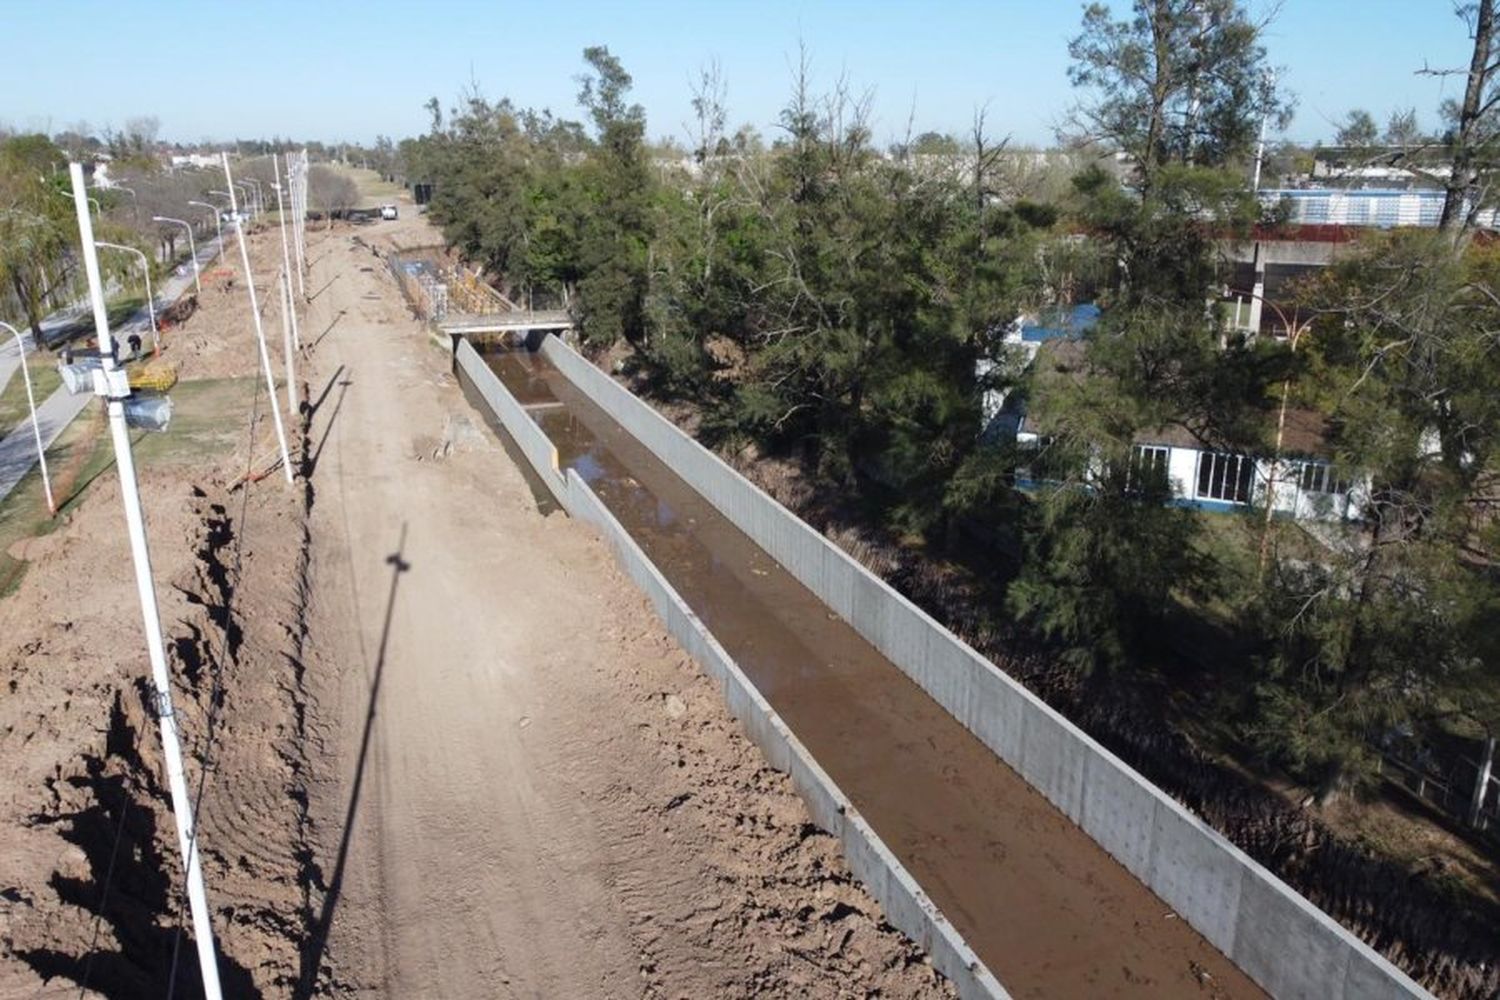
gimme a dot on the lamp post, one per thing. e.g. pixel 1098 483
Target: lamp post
pixel 150 301
pixel 218 229
pixel 192 248
pixel 286 256
pixel 36 430
pixel 260 333
pixel 249 194
pixel 112 384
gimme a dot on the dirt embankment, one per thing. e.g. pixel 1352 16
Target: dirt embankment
pixel 90 886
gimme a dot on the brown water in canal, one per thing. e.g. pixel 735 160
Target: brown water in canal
pixel 1047 910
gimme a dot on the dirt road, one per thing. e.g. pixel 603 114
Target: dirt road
pixel 537 794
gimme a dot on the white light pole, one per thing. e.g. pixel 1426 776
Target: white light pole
pixel 150 299
pixel 41 453
pixel 260 333
pixel 112 383
pixel 192 248
pixel 284 289
pixel 286 257
pixel 218 230
pixel 299 207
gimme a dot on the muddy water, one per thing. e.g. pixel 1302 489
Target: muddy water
pixel 1045 908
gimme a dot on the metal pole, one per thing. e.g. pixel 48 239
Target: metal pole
pixel 192 249
pixel 302 173
pixel 1482 782
pixel 218 230
pixel 260 333
pixel 41 453
pixel 286 257
pixel 284 289
pixel 150 300
pixel 182 804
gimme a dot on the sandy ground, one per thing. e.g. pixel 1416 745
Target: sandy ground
pixel 451 752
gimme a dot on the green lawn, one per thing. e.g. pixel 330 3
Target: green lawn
pixel 373 190
pixel 44 378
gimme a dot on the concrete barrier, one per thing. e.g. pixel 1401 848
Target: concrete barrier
pixel 538 449
pixel 906 905
pixel 1276 936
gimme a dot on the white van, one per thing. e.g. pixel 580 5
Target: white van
pixel 387 211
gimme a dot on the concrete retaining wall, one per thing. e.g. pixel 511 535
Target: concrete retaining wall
pixel 1276 936
pixel 906 905
pixel 535 445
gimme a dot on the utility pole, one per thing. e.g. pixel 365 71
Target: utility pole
pixel 111 382
pixel 286 258
pixel 192 247
pixel 284 289
pixel 260 333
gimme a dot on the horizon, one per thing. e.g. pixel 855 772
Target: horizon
pixel 921 75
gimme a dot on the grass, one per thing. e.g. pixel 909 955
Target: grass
pixel 14 412
pixel 208 422
pixel 373 189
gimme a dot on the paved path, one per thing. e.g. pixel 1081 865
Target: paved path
pixel 18 449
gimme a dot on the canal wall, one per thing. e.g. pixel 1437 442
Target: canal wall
pixel 1287 945
pixel 906 906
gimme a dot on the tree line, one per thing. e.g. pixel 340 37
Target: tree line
pixel 820 299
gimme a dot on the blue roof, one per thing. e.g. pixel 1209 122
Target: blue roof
pixel 1058 323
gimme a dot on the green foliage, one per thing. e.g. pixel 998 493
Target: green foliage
pixel 37 224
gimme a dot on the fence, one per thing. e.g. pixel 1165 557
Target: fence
pixel 1277 937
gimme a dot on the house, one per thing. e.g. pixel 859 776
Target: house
pixel 1304 483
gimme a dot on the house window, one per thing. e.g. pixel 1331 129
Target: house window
pixel 1148 468
pixel 1225 477
pixel 1319 477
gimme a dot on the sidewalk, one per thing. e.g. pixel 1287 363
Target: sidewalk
pixel 18 448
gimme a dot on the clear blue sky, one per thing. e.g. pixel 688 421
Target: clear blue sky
pixel 221 70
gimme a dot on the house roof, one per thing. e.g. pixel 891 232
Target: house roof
pixel 1305 433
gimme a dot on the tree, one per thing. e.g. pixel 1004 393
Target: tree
pixel 615 241
pixel 1182 81
pixel 37 227
pixel 330 192
pixel 1396 623
pixel 1474 131
pixel 1358 130
pixel 1402 129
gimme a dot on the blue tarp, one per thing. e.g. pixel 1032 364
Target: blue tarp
pixel 1061 323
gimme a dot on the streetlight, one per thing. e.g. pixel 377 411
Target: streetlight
pixel 192 248
pixel 260 333
pixel 286 256
pixel 249 193
pixel 113 384
pixel 260 195
pixel 150 302
pixel 41 453
pixel 218 230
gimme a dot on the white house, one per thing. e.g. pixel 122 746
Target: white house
pixel 1303 484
